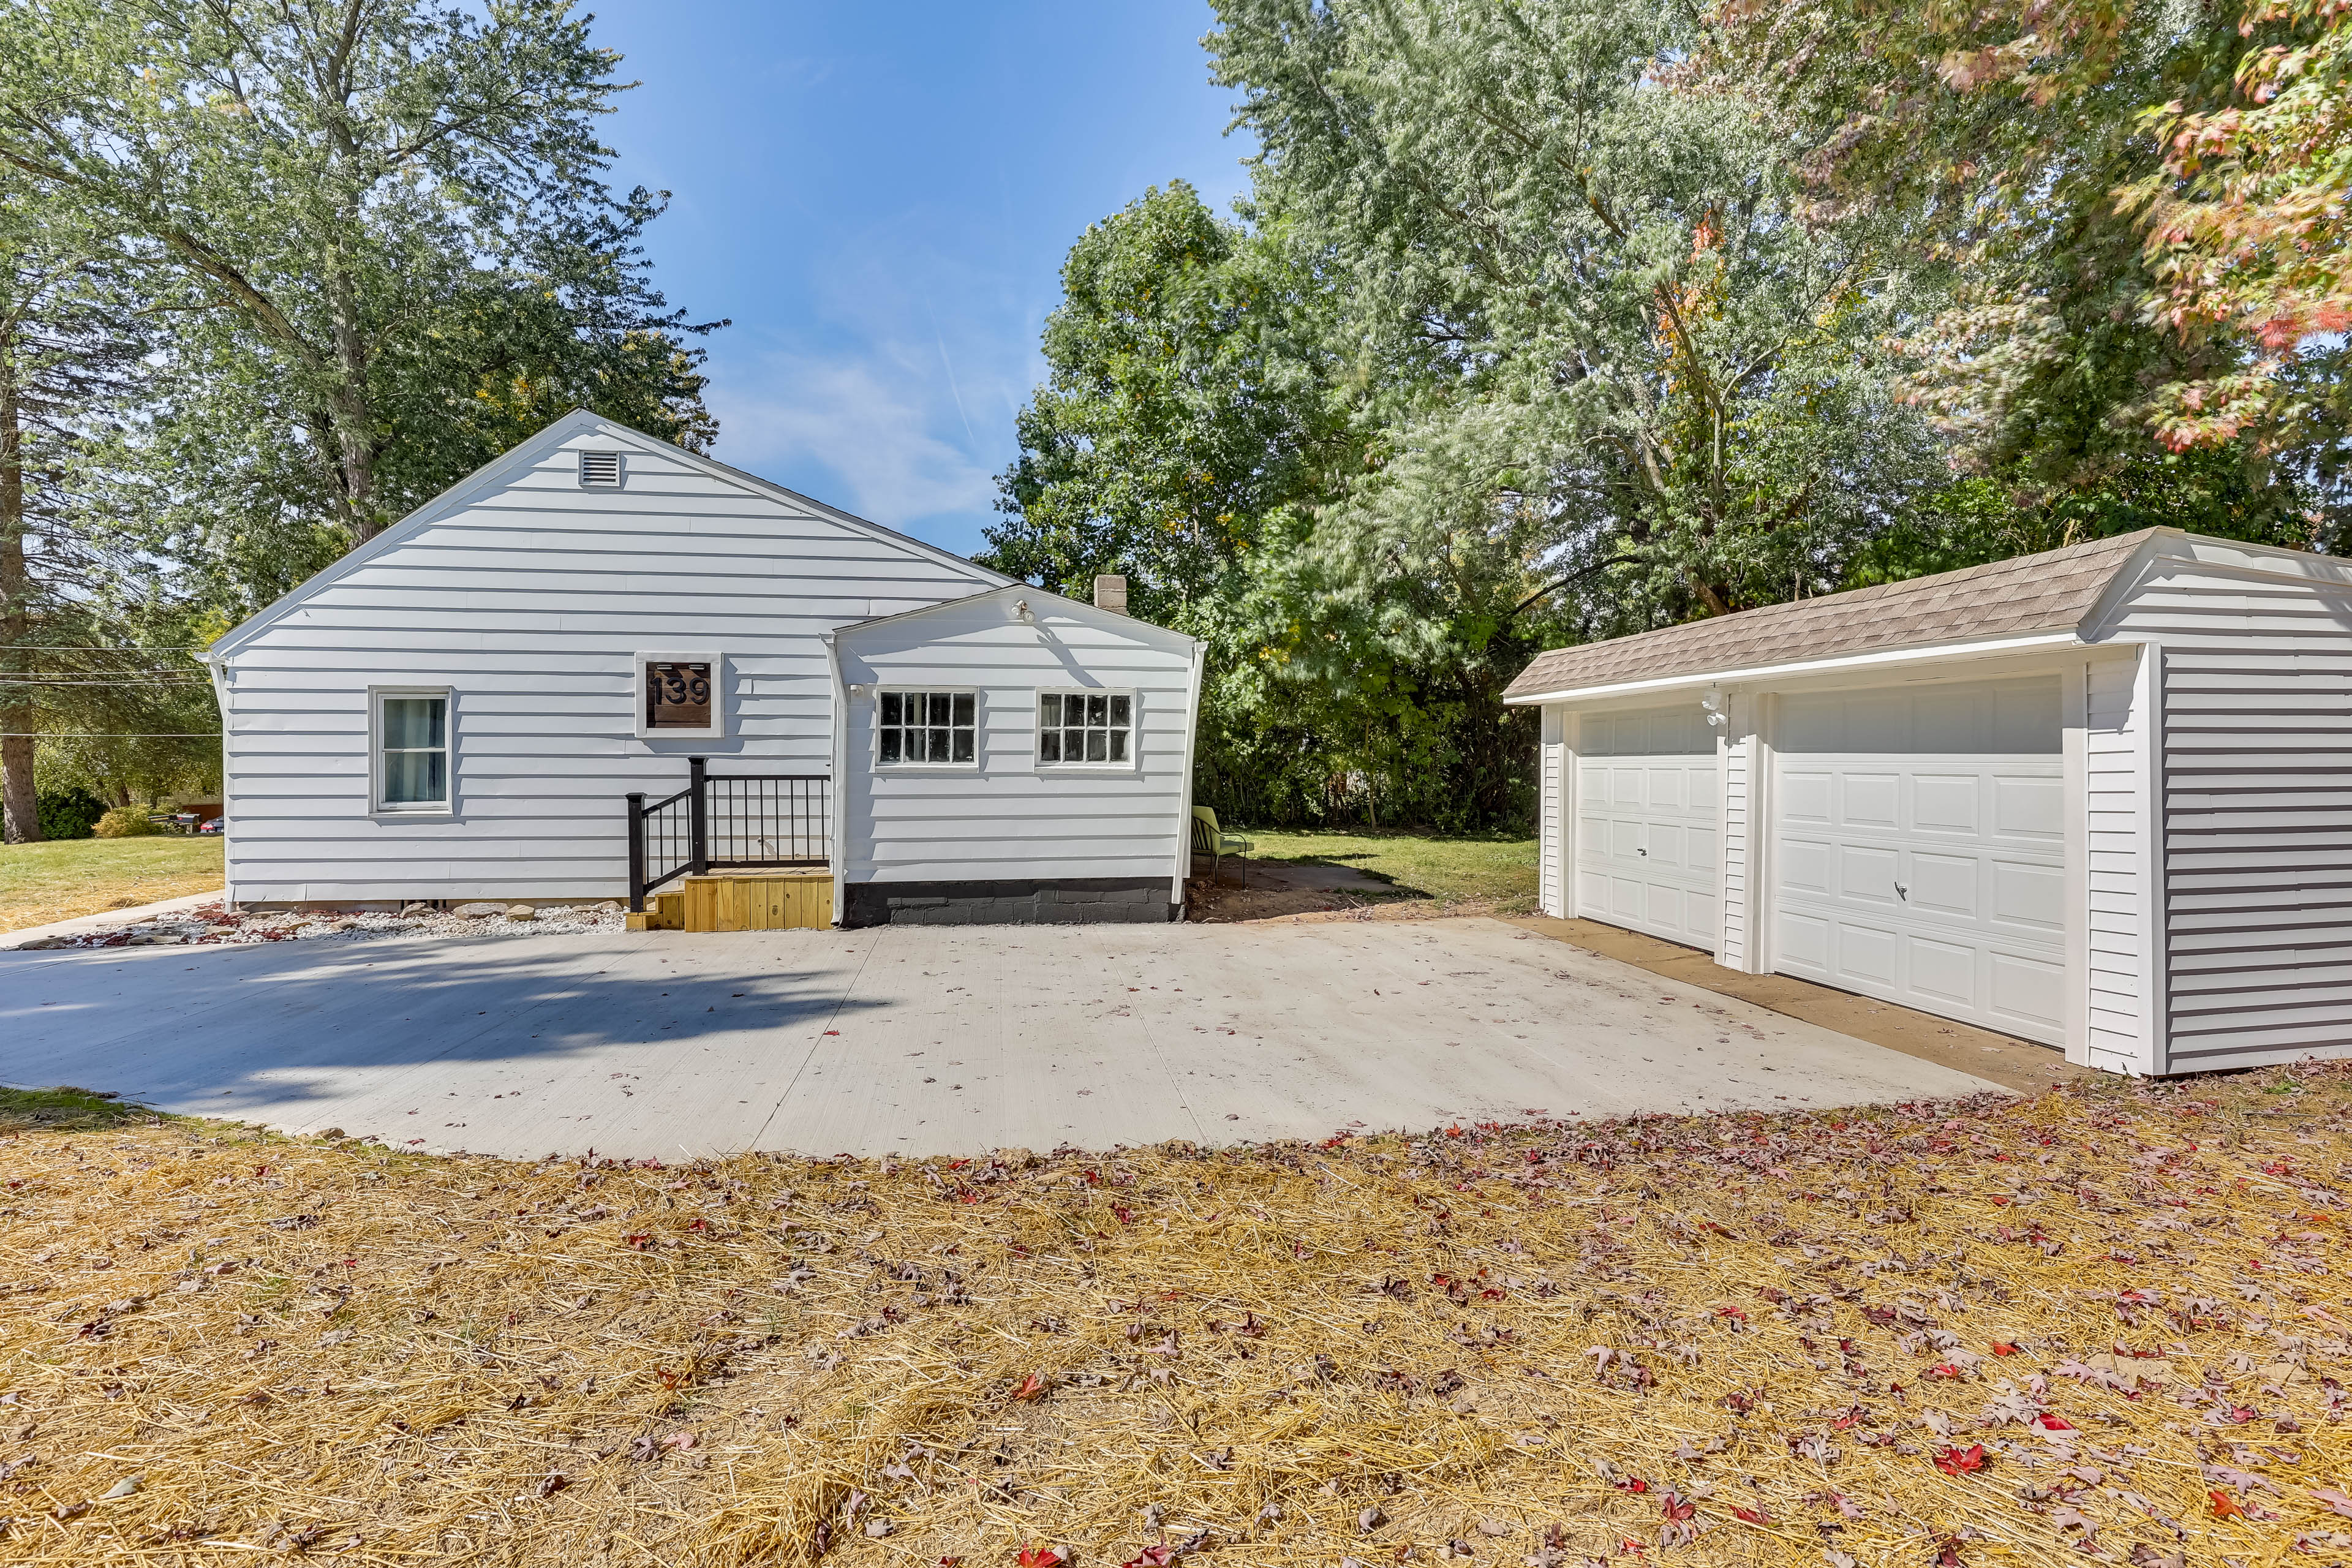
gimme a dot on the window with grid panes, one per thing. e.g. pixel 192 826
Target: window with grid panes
pixel 927 727
pixel 1085 726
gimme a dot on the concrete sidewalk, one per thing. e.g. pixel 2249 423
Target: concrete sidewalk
pixel 107 919
pixel 914 1040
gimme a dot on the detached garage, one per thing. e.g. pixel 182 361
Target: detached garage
pixel 2099 797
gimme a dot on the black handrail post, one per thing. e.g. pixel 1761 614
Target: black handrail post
pixel 636 808
pixel 696 816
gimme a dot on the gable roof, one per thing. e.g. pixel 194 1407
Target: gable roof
pixel 1042 598
pixel 2055 591
pixel 525 454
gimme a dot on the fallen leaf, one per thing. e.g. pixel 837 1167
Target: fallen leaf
pixel 1960 1461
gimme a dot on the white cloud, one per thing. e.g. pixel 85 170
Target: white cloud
pixel 864 431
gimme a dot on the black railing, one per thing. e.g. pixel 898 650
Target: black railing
pixel 734 820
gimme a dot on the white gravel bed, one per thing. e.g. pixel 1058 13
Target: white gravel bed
pixel 209 925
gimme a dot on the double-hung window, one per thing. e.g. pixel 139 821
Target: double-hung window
pixel 927 727
pixel 412 761
pixel 1083 727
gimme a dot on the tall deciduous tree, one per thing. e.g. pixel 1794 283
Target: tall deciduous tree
pixel 1188 392
pixel 2019 148
pixel 1194 393
pixel 380 226
pixel 69 361
pixel 1589 295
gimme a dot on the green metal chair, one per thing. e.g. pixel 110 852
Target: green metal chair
pixel 1213 841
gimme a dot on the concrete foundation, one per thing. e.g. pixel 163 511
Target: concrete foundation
pixel 1089 900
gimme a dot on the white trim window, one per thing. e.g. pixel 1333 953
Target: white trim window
pixel 413 756
pixel 1085 728
pixel 926 727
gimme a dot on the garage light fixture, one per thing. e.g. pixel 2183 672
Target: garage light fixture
pixel 1713 701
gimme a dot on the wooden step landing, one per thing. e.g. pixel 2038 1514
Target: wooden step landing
pixel 743 901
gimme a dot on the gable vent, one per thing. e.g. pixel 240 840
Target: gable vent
pixel 601 470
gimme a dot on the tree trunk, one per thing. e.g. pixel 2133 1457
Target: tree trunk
pixel 354 417
pixel 20 810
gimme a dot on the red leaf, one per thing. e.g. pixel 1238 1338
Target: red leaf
pixel 2003 1347
pixel 1044 1556
pixel 1676 1509
pixel 1031 1388
pixel 1946 1369
pixel 2225 1506
pixel 1631 1484
pixel 640 1242
pixel 1960 1461
pixel 1751 1515
pixel 2050 1422
pixel 1150 1557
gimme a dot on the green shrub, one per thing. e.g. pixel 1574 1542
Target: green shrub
pixel 69 812
pixel 124 822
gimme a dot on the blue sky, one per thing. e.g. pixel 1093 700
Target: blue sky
pixel 880 197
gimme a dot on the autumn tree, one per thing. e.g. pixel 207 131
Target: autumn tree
pixel 2081 185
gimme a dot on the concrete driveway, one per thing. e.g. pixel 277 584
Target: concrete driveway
pixel 913 1040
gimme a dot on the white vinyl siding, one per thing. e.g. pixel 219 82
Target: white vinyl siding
pixel 532 601
pixel 1739 747
pixel 2253 778
pixel 1552 784
pixel 2258 855
pixel 1006 818
pixel 2119 836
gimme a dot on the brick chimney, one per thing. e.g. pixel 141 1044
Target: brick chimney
pixel 1110 594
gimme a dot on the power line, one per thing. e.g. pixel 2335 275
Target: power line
pixel 115 735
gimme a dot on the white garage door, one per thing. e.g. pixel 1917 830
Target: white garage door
pixel 1648 809
pixel 1918 850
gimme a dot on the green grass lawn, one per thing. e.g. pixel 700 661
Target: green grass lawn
pixel 1496 868
pixel 45 882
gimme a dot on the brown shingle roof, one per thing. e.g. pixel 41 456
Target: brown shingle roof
pixel 2050 592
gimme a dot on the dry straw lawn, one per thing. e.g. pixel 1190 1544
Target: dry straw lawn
pixel 2108 1323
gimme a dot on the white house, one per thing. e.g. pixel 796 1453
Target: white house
pixel 2099 797
pixel 460 707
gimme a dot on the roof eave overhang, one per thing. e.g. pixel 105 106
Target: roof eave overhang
pixel 1875 659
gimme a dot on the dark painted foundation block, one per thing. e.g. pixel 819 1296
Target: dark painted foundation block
pixel 1068 901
